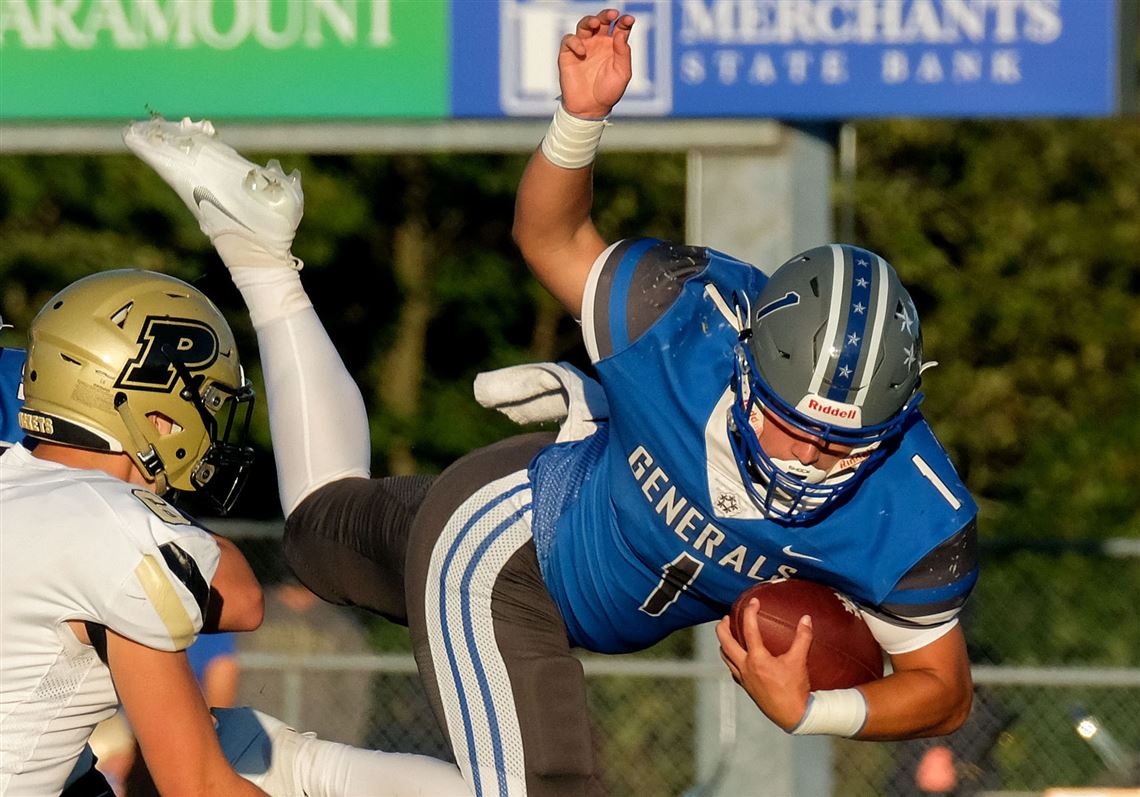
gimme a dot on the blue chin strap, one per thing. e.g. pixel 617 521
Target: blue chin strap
pixel 778 493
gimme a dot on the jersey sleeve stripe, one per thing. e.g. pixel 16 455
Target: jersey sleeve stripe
pixel 946 563
pixel 166 602
pixel 611 323
pixel 939 583
pixel 945 592
pixel 183 566
pixel 596 312
pixel 590 303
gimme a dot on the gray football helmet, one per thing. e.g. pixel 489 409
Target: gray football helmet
pixel 834 350
pixel 113 349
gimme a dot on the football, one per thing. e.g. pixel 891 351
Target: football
pixel 843 651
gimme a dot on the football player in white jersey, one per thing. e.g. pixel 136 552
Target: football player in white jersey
pixel 103 582
pixel 133 387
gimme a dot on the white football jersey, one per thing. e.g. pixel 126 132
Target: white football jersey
pixel 82 545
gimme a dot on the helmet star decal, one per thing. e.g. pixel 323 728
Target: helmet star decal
pixel 904 316
pixel 910 358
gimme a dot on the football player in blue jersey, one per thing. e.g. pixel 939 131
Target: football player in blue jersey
pixel 758 428
pixel 742 429
pixel 11 371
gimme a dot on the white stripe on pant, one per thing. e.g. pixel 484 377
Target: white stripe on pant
pixel 472 677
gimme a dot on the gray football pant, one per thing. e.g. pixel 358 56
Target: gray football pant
pixel 453 559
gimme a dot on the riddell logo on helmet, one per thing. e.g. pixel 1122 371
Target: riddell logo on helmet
pixel 834 412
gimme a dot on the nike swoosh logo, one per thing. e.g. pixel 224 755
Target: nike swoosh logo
pixel 789 552
pixel 206 195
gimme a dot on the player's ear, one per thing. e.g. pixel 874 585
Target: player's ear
pixel 160 422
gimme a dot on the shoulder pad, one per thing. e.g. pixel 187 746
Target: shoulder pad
pixel 937 586
pixel 633 286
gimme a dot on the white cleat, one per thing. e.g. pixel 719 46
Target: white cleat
pixel 229 196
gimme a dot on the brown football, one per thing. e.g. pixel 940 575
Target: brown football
pixel 843 651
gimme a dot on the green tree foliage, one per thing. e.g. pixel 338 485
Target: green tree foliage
pixel 409 262
pixel 1018 239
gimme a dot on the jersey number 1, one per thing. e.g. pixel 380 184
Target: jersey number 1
pixel 676 577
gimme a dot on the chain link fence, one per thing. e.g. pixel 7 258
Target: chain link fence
pixel 1057 688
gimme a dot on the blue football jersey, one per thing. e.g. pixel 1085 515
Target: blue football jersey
pixel 646 527
pixel 11 372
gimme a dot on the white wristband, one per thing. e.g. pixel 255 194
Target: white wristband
pixel 837 712
pixel 572 142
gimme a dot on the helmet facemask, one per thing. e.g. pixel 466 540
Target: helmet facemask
pixel 222 472
pixel 800 360
pixel 222 414
pixel 779 493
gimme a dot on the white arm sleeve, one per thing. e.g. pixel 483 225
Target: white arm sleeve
pixel 903 639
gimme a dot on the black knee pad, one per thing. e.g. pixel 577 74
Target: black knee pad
pixel 555 725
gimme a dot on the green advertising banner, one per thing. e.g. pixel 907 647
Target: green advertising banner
pixel 303 59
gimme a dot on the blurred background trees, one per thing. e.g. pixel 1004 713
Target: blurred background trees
pixel 1019 240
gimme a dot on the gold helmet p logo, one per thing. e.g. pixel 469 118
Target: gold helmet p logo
pixel 194 343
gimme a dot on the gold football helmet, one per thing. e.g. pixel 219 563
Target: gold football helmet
pixel 113 351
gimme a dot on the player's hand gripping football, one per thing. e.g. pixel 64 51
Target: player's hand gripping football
pixel 594 65
pixel 777 684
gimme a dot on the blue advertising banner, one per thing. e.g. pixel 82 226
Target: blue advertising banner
pixel 440 59
pixel 806 59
